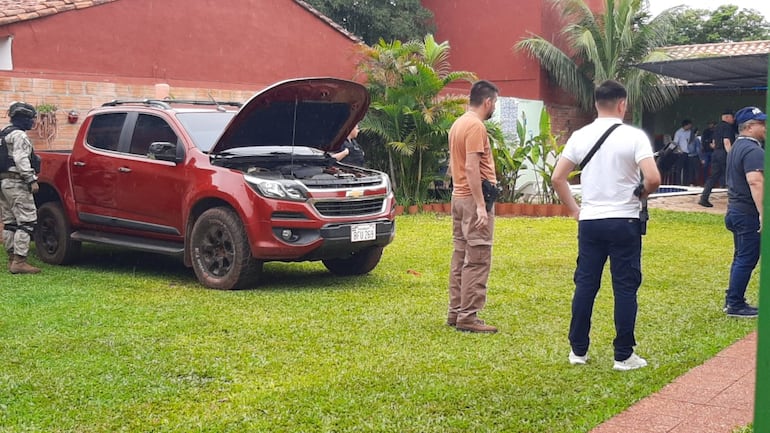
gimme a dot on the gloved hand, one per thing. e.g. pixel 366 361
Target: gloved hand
pixel 34 187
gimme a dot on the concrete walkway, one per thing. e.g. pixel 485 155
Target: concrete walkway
pixel 716 397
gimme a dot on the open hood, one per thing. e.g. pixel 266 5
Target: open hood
pixel 312 112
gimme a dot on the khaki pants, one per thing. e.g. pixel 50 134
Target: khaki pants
pixel 471 260
pixel 17 208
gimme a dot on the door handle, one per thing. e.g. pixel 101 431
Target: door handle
pixel 79 164
pixel 124 170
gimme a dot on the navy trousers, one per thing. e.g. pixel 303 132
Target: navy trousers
pixel 746 239
pixel 620 240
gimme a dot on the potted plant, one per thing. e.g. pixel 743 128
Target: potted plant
pixel 46 122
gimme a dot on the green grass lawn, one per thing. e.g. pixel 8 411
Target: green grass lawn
pixel 129 342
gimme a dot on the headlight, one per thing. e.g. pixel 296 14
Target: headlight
pixel 387 181
pixel 280 189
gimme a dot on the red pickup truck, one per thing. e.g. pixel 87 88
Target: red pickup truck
pixel 226 186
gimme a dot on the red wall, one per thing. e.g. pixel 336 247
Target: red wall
pixel 482 33
pixel 250 43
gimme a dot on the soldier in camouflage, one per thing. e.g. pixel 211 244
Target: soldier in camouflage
pixel 18 182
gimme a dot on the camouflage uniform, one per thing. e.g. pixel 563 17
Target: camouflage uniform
pixel 17 206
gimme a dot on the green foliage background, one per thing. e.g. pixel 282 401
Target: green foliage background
pixel 373 20
pixel 727 23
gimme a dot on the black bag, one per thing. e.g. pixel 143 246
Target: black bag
pixel 6 161
pixel 491 192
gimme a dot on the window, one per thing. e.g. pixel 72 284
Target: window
pixel 104 132
pixel 6 60
pixel 148 130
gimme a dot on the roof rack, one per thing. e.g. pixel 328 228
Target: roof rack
pixel 166 103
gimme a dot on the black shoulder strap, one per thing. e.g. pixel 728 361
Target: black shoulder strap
pixel 7 130
pixel 597 145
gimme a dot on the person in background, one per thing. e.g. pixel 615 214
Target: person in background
pixel 693 158
pixel 724 135
pixel 471 165
pixel 620 174
pixel 351 152
pixel 17 185
pixel 682 139
pixel 707 141
pixel 745 180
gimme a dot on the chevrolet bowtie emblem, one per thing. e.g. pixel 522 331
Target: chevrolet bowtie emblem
pixel 356 193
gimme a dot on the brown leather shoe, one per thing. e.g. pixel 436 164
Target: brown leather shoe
pixel 477 325
pixel 20 266
pixel 452 321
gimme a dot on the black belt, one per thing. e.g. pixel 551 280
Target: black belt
pixel 10 175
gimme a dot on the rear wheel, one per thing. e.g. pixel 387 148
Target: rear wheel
pixel 221 257
pixel 357 263
pixel 52 236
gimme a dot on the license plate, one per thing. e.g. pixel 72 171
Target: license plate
pixel 363 232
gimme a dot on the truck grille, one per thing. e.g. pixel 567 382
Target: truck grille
pixel 339 208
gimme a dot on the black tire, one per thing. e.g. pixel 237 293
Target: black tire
pixel 358 263
pixel 221 257
pixel 52 236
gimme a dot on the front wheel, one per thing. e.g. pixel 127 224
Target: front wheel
pixel 358 263
pixel 52 236
pixel 221 257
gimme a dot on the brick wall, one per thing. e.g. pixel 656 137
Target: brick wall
pixel 81 96
pixel 565 119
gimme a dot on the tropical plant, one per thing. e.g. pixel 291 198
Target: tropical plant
pixel 542 152
pixel 509 158
pixel 408 112
pixel 608 45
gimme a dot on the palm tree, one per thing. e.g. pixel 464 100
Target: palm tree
pixel 607 46
pixel 408 111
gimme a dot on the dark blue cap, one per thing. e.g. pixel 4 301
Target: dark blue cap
pixel 749 113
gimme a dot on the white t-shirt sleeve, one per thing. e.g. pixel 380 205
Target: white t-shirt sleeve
pixel 642 146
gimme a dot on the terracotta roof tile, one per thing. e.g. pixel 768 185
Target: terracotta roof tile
pixel 326 19
pixel 12 11
pixel 725 49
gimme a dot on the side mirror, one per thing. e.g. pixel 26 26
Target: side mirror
pixel 165 151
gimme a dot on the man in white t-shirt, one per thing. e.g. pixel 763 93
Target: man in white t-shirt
pixel 608 220
pixel 682 138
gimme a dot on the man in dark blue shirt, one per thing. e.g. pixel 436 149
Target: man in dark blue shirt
pixel 745 179
pixel 707 149
pixel 351 152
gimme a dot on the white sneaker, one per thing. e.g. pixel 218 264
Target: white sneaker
pixel 577 360
pixel 632 363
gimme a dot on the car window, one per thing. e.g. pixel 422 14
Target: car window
pixel 205 127
pixel 150 129
pixel 104 132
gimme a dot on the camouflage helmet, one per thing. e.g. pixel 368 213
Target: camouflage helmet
pixel 22 109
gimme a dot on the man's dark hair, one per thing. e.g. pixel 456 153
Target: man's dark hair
pixel 686 122
pixel 482 90
pixel 609 92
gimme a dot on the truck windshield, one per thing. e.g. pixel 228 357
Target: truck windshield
pixel 205 127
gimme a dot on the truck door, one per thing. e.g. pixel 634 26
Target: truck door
pixel 150 192
pixel 94 168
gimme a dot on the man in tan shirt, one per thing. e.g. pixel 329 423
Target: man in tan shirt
pixel 470 163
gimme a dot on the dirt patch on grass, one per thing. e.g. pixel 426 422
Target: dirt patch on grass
pixel 689 203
